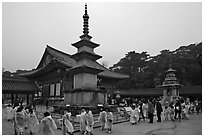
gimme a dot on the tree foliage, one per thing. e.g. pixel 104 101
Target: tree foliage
pixel 147 71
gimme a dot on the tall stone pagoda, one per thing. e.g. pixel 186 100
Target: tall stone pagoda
pixel 170 87
pixel 85 91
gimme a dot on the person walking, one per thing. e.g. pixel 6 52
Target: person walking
pixel 9 113
pixel 198 106
pixel 109 121
pixel 15 108
pixel 159 110
pixel 67 126
pixel 48 125
pixel 102 118
pixel 141 108
pixel 27 114
pixel 184 113
pixel 32 121
pixel 172 113
pixel 145 109
pixel 150 111
pixel 133 116
pixel 166 113
pixel 82 121
pixel 89 122
pixel 19 121
pixel 178 110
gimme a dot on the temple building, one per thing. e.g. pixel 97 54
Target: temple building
pixel 59 72
pixel 16 87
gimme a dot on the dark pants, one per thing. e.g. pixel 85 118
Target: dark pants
pixel 158 116
pixel 151 115
pixel 197 109
pixel 177 112
pixel 141 114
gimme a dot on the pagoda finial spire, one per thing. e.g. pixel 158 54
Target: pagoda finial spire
pixel 86 21
pixel 85 8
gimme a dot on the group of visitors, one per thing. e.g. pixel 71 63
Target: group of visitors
pixel 86 121
pixel 106 119
pixel 22 118
pixel 178 110
pixel 25 120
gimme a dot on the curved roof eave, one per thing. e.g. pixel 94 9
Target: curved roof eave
pixel 40 70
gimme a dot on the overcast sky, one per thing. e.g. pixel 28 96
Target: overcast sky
pixel 117 27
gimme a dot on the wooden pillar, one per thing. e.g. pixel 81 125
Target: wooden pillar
pixel 27 99
pixel 54 90
pixel 12 99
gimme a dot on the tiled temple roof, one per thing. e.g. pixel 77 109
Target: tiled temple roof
pixel 65 59
pixel 12 83
pixel 59 55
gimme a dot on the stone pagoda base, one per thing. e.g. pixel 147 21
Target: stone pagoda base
pixel 85 97
pixel 169 96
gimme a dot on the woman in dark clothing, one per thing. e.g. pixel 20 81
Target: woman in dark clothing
pixel 159 110
pixel 150 111
pixel 141 111
pixel 198 105
pixel 178 110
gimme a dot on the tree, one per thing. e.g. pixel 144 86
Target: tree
pixel 146 71
pixel 136 66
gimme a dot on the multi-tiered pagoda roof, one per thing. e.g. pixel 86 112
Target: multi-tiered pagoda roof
pixel 170 80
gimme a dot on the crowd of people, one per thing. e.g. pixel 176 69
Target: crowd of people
pixel 180 109
pixel 25 119
pixel 86 121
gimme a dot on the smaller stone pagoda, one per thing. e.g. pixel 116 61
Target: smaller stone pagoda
pixel 170 87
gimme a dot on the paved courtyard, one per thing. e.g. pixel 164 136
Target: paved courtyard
pixel 193 126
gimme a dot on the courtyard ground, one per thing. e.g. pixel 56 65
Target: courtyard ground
pixel 193 126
